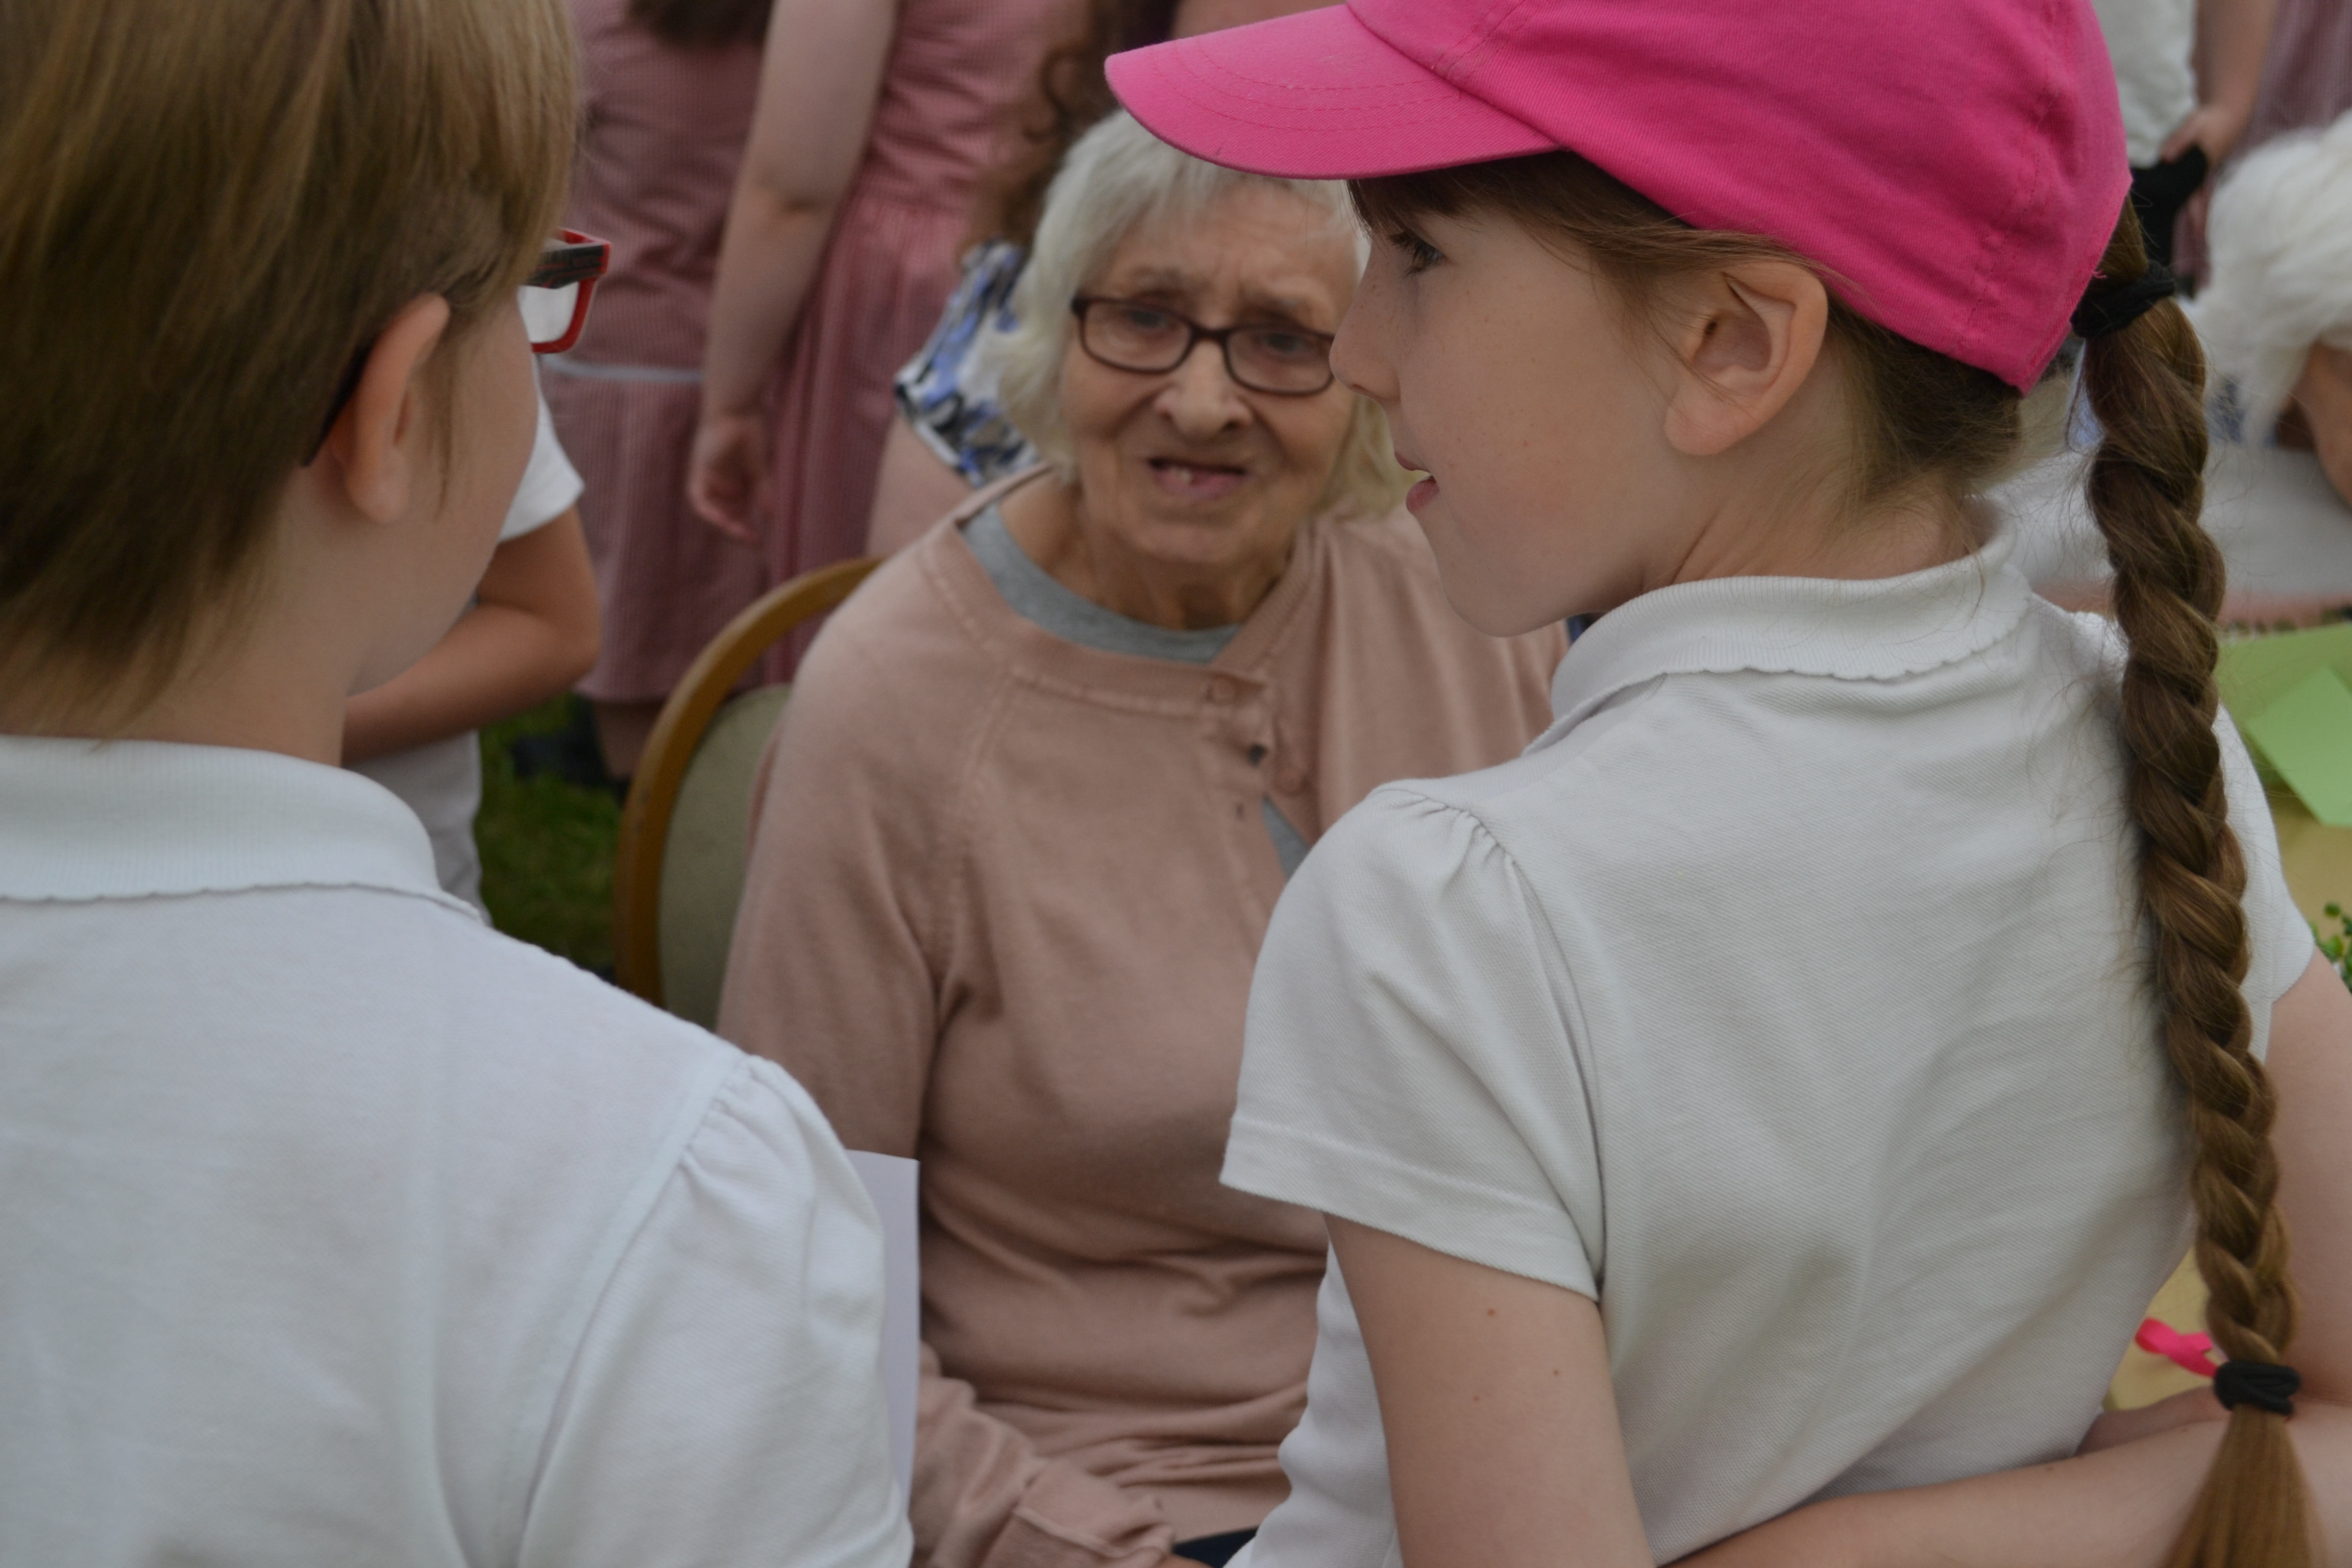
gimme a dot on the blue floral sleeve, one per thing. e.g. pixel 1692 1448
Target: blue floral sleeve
pixel 949 397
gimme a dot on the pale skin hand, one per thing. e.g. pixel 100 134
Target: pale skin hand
pixel 2116 1427
pixel 818 83
pixel 1505 1452
pixel 531 633
pixel 2233 37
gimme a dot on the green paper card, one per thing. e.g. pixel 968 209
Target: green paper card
pixel 2307 735
pixel 2256 671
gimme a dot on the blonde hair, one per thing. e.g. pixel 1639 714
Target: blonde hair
pixel 1117 177
pixel 207 212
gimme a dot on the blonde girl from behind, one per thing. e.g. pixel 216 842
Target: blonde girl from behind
pixel 339 1228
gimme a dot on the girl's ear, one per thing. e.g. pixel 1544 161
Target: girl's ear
pixel 376 444
pixel 1751 336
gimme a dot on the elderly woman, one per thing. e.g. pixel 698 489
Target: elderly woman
pixel 1037 791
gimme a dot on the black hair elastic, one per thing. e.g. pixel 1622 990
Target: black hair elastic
pixel 2264 1384
pixel 2112 309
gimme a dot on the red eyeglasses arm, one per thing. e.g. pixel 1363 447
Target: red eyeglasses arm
pixel 572 258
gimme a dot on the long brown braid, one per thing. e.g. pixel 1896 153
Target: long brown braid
pixel 2146 487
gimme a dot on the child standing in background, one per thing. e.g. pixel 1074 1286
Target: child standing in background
pixel 666 88
pixel 873 124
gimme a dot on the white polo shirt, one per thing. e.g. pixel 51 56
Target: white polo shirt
pixel 1788 998
pixel 338 1229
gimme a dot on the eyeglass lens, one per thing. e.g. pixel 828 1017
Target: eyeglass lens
pixel 547 312
pixel 1138 337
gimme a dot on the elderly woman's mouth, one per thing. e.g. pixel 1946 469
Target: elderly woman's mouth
pixel 1196 481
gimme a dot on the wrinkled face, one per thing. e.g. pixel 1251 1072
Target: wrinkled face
pixel 1189 468
pixel 1509 377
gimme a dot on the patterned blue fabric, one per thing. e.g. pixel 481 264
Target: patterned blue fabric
pixel 950 399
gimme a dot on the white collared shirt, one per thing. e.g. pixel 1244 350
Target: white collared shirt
pixel 338 1229
pixel 1789 997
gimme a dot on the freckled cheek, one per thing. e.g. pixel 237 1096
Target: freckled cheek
pixel 1445 405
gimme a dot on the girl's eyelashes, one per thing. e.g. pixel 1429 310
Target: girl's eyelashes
pixel 1420 256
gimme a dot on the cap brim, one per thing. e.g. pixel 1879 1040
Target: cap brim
pixel 1311 96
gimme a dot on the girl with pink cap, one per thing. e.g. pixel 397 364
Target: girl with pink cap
pixel 1752 1122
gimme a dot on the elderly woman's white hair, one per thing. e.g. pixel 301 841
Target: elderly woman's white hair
pixel 2279 242
pixel 1118 176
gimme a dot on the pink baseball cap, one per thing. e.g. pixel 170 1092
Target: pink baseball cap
pixel 1956 166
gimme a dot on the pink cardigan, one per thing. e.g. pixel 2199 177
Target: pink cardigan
pixel 1005 896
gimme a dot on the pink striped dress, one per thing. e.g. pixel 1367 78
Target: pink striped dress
pixel 2306 83
pixel 956 68
pixel 664 136
pixel 2307 76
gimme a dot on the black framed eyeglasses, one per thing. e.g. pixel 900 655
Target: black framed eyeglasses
pixel 554 298
pixel 1151 339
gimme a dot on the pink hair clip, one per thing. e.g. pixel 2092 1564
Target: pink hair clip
pixel 2190 1353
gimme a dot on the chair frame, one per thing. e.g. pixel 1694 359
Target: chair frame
pixel 669 751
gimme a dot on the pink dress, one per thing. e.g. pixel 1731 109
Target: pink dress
pixel 2306 83
pixel 664 132
pixel 956 68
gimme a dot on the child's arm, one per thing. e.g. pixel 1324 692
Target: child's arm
pixel 1504 1449
pixel 820 79
pixel 2125 1505
pixel 1502 1430
pixel 2233 37
pixel 531 633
